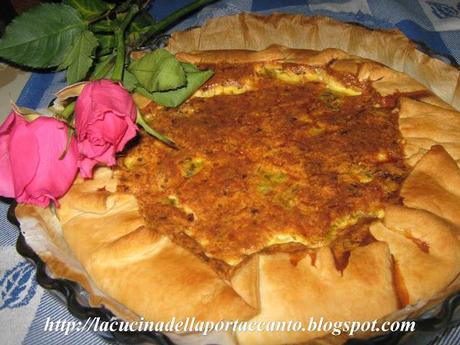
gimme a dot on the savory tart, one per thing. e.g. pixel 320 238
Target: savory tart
pixel 266 151
pixel 305 184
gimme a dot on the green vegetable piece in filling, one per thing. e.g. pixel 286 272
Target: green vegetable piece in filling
pixel 331 100
pixel 173 200
pixel 352 219
pixel 130 162
pixel 270 180
pixel 287 198
pixel 362 173
pixel 191 166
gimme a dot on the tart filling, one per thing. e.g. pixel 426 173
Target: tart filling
pixel 274 155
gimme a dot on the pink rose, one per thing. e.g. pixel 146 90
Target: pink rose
pixel 30 168
pixel 105 117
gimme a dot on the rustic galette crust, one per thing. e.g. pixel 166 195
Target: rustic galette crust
pixel 417 253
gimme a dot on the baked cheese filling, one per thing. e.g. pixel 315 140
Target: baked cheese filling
pixel 271 156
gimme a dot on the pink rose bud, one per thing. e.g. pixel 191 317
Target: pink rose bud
pixel 105 117
pixel 31 170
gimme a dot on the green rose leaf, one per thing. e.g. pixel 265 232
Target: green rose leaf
pixel 129 81
pixel 103 67
pixel 103 25
pixel 79 57
pixel 40 37
pixel 89 8
pixel 158 71
pixel 141 122
pixel 174 98
pixel 106 44
pixel 138 27
pixel 142 20
pixel 189 67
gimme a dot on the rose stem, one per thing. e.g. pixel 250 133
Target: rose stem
pixel 174 17
pixel 119 32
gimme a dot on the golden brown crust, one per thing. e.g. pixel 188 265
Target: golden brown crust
pixel 388 47
pixel 425 125
pixel 43 232
pixel 127 261
pixel 245 281
pixel 403 229
pixel 385 80
pixel 424 237
pixel 272 53
pixel 304 290
pixel 434 185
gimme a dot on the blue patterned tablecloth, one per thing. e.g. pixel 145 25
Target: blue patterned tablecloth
pixel 24 306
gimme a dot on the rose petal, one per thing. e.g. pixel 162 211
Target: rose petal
pixel 89 148
pixel 23 155
pixel 6 176
pixel 10 120
pixel 40 200
pixel 86 162
pixel 104 121
pixel 113 128
pixel 100 96
pixel 130 133
pixel 86 166
pixel 54 176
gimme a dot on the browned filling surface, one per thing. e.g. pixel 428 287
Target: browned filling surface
pixel 286 162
